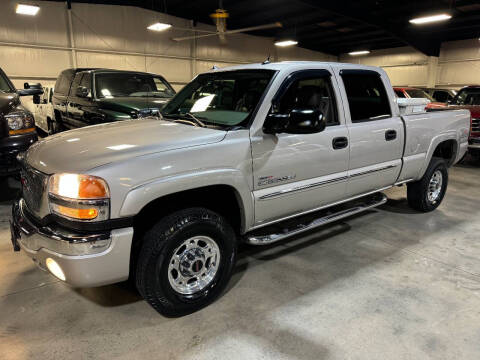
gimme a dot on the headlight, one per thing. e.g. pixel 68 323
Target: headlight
pixel 20 122
pixel 79 197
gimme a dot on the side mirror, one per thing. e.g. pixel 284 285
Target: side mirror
pixel 299 121
pixel 30 90
pixel 82 92
pixel 36 99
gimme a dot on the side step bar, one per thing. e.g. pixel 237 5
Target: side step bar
pixel 266 239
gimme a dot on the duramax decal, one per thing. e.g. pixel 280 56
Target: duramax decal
pixel 268 180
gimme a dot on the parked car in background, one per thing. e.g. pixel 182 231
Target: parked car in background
pixel 410 92
pixel 469 98
pixel 254 153
pixel 441 95
pixel 44 110
pixel 85 97
pixel 17 124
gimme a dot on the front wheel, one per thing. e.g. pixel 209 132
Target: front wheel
pixel 427 194
pixel 185 262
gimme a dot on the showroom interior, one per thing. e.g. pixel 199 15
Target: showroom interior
pixel 239 179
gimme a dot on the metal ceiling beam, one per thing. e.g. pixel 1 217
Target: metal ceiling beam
pixel 355 11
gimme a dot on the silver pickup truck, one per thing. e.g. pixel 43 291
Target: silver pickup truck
pixel 251 153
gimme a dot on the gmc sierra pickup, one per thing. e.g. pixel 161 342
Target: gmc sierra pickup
pixel 251 153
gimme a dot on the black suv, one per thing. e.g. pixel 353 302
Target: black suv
pixel 85 97
pixel 17 125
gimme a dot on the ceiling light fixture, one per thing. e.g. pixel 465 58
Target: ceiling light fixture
pixel 286 43
pixel 159 26
pixel 430 19
pixel 23 9
pixel 361 52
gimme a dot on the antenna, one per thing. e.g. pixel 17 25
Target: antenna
pixel 266 61
pixel 214 67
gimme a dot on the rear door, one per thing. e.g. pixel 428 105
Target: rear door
pixel 376 134
pixel 296 173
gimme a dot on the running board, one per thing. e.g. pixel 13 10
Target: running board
pixel 266 239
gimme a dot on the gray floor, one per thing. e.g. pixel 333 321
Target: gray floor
pixel 389 284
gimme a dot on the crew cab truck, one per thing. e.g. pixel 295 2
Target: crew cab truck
pixel 17 124
pixel 86 97
pixel 251 153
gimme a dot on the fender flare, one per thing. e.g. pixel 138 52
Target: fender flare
pixel 437 140
pixel 140 196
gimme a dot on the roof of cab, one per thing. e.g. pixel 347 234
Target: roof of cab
pixel 285 65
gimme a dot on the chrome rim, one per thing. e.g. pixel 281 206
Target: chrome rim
pixel 193 265
pixel 435 186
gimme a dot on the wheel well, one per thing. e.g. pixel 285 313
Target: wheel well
pixel 222 199
pixel 446 150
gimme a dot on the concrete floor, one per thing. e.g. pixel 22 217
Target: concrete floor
pixel 389 284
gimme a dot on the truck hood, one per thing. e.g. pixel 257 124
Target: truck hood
pixel 474 109
pixel 132 103
pixel 80 150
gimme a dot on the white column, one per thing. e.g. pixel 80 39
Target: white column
pixel 432 69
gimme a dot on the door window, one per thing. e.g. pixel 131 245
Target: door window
pixel 311 92
pixel 76 84
pixel 87 83
pixel 367 97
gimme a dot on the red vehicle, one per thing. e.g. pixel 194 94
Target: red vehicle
pixel 469 98
pixel 409 92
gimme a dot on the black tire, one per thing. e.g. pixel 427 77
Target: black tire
pixel 159 244
pixel 418 191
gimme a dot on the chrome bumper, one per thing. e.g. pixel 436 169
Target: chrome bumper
pixel 85 259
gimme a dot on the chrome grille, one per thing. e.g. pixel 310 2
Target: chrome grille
pixel 476 125
pixel 34 187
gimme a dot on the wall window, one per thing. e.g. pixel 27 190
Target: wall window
pixel 366 95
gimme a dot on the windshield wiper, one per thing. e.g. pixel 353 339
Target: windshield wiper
pixel 197 120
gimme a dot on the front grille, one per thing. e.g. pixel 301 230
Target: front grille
pixel 34 187
pixel 476 125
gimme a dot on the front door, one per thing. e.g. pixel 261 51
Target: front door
pixel 295 173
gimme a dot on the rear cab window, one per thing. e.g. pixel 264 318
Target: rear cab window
pixel 366 94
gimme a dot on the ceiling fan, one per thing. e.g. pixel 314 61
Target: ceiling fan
pixel 219 17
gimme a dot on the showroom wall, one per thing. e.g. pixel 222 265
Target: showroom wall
pixel 458 64
pixel 38 48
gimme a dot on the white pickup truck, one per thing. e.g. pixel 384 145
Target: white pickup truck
pixel 251 153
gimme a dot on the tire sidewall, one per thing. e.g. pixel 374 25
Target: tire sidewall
pixel 158 262
pixel 438 165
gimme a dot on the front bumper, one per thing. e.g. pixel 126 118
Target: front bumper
pixel 474 143
pixel 10 147
pixel 86 260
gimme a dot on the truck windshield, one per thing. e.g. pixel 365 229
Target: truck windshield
pixel 221 98
pixel 4 84
pixel 467 97
pixel 417 93
pixel 111 85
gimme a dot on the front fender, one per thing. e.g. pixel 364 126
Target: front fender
pixel 140 196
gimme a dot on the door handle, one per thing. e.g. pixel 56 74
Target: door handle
pixel 339 143
pixel 390 135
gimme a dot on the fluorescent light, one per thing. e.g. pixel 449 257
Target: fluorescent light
pixel 361 52
pixel 31 10
pixel 159 27
pixel 429 19
pixel 286 43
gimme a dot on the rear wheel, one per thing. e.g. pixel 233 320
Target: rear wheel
pixel 427 194
pixel 185 261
